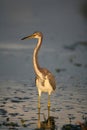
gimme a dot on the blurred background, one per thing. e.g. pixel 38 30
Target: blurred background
pixel 62 23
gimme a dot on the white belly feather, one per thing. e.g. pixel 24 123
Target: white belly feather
pixel 44 86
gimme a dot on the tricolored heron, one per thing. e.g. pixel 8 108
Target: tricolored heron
pixel 45 81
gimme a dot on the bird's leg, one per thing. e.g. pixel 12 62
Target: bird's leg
pixel 39 124
pixel 49 104
pixel 49 124
pixel 48 111
pixel 38 101
pixel 39 96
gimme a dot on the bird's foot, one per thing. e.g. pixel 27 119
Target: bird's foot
pixel 49 125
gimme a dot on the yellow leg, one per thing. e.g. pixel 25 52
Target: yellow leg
pixel 49 104
pixel 39 101
pixel 39 124
pixel 48 111
pixel 49 123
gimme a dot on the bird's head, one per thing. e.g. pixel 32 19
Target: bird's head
pixel 34 35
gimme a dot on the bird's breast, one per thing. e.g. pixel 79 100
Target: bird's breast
pixel 44 85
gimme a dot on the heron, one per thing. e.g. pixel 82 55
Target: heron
pixel 45 80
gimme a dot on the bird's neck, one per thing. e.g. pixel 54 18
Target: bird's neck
pixel 35 58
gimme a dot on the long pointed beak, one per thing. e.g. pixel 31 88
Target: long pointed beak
pixel 31 36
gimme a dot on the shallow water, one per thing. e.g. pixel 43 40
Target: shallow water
pixel 18 99
pixel 20 102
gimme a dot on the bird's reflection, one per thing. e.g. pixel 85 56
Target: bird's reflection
pixel 48 123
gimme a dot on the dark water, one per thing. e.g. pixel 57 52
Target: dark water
pixel 18 99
